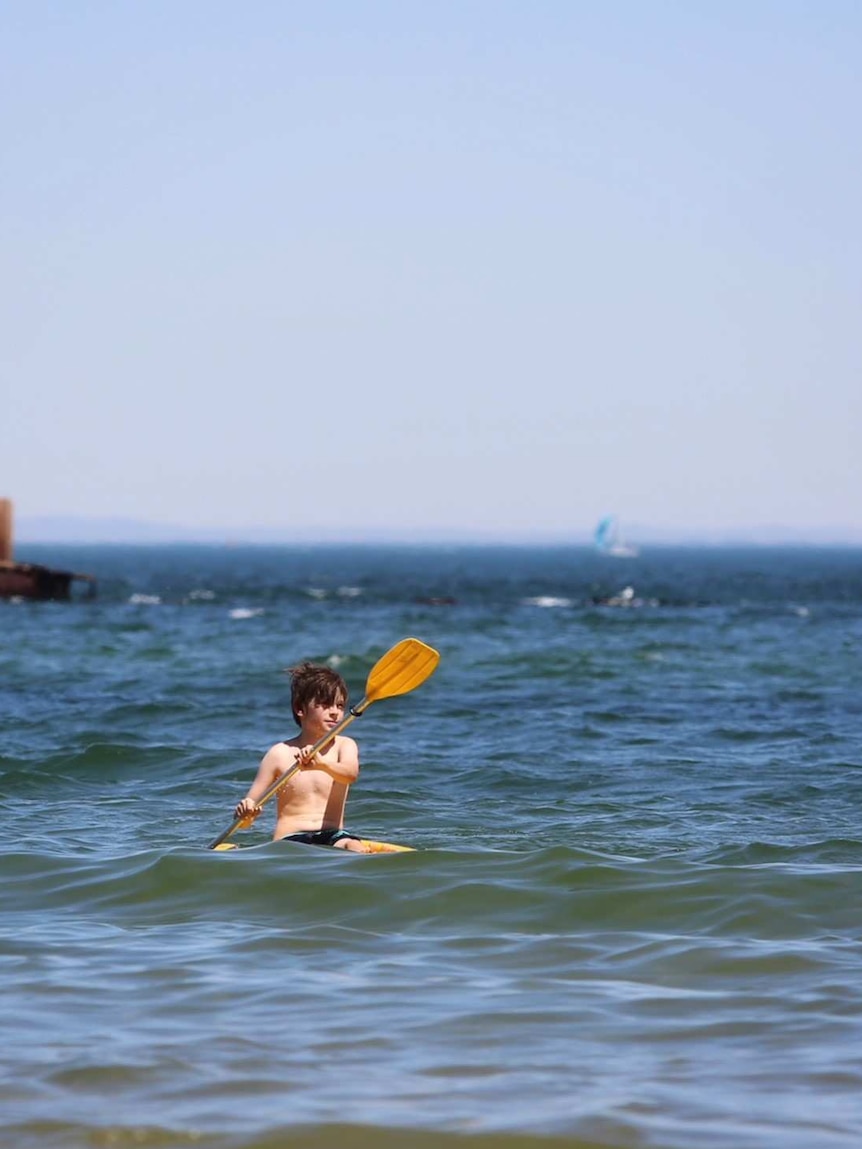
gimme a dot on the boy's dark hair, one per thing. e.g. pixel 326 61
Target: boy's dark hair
pixel 311 683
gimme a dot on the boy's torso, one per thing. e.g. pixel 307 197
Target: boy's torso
pixel 311 799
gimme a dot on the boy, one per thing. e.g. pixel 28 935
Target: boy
pixel 311 805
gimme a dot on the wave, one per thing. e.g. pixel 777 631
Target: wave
pixel 757 891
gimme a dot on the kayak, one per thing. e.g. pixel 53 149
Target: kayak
pixel 372 847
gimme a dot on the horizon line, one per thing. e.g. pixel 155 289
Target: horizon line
pixel 107 532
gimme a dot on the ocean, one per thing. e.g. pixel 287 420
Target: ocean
pixel 632 918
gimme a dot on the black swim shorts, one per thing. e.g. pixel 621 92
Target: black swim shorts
pixel 321 837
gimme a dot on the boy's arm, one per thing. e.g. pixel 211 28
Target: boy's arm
pixel 267 773
pixel 344 769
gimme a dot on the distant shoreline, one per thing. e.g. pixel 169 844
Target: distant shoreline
pixel 226 539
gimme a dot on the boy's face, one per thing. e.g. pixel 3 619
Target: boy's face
pixel 321 716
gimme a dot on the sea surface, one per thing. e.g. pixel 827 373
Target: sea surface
pixel 633 918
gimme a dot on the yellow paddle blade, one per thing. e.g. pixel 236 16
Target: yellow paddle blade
pixel 401 670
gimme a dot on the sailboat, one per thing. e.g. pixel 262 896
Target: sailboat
pixel 609 540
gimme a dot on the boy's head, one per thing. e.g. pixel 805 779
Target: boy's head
pixel 310 683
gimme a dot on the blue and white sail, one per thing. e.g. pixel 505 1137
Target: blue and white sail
pixel 609 540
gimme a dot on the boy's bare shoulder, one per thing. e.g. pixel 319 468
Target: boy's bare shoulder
pixel 282 750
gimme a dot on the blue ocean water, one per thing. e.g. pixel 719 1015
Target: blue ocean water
pixel 632 918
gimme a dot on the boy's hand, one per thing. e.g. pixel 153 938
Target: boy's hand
pixel 306 760
pixel 247 810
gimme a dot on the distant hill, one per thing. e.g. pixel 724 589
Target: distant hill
pixel 73 529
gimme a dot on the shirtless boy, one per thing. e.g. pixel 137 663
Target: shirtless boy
pixel 311 804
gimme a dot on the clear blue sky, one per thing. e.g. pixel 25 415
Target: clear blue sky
pixel 433 268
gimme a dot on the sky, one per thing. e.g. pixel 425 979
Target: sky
pixel 479 269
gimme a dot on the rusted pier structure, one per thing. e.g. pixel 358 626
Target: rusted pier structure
pixel 32 580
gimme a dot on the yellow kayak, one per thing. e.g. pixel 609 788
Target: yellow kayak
pixel 372 847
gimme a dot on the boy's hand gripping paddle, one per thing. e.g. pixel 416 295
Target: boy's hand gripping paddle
pixel 399 671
